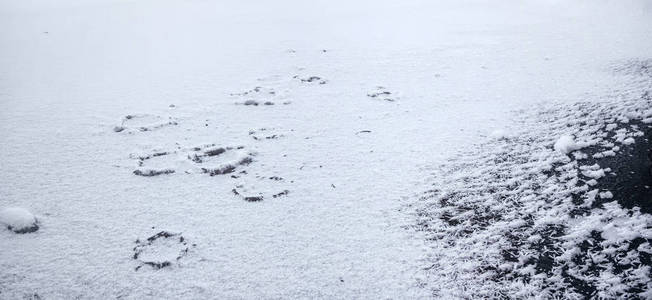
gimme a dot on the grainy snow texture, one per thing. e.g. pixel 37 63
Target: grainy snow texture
pixel 522 218
pixel 279 149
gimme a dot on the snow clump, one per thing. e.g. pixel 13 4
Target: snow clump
pixel 566 144
pixel 18 220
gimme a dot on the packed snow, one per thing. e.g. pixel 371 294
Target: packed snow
pixel 322 149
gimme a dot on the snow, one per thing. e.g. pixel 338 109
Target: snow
pixel 369 99
pixel 499 182
pixel 595 174
pixel 628 141
pixel 500 134
pixel 611 126
pixel 566 144
pixel 18 219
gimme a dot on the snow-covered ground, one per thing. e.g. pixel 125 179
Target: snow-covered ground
pixel 246 149
pixel 536 213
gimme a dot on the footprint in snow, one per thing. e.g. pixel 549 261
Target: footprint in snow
pixel 144 122
pixel 382 94
pixel 161 250
pixel 219 160
pixel 262 96
pixel 311 79
pixel 155 163
pixel 273 90
pixel 208 159
pixel 263 134
pixel 261 188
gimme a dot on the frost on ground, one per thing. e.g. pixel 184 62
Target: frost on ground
pixel 18 220
pixel 543 214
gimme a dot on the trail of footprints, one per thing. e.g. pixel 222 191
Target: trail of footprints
pixel 166 249
pixel 264 95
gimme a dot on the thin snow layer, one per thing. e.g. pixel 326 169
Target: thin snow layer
pixel 18 219
pixel 519 218
pixel 362 94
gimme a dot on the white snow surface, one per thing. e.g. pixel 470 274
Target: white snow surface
pixel 91 91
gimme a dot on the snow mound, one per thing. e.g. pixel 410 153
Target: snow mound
pixel 566 144
pixel 161 250
pixel 18 220
pixel 500 134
